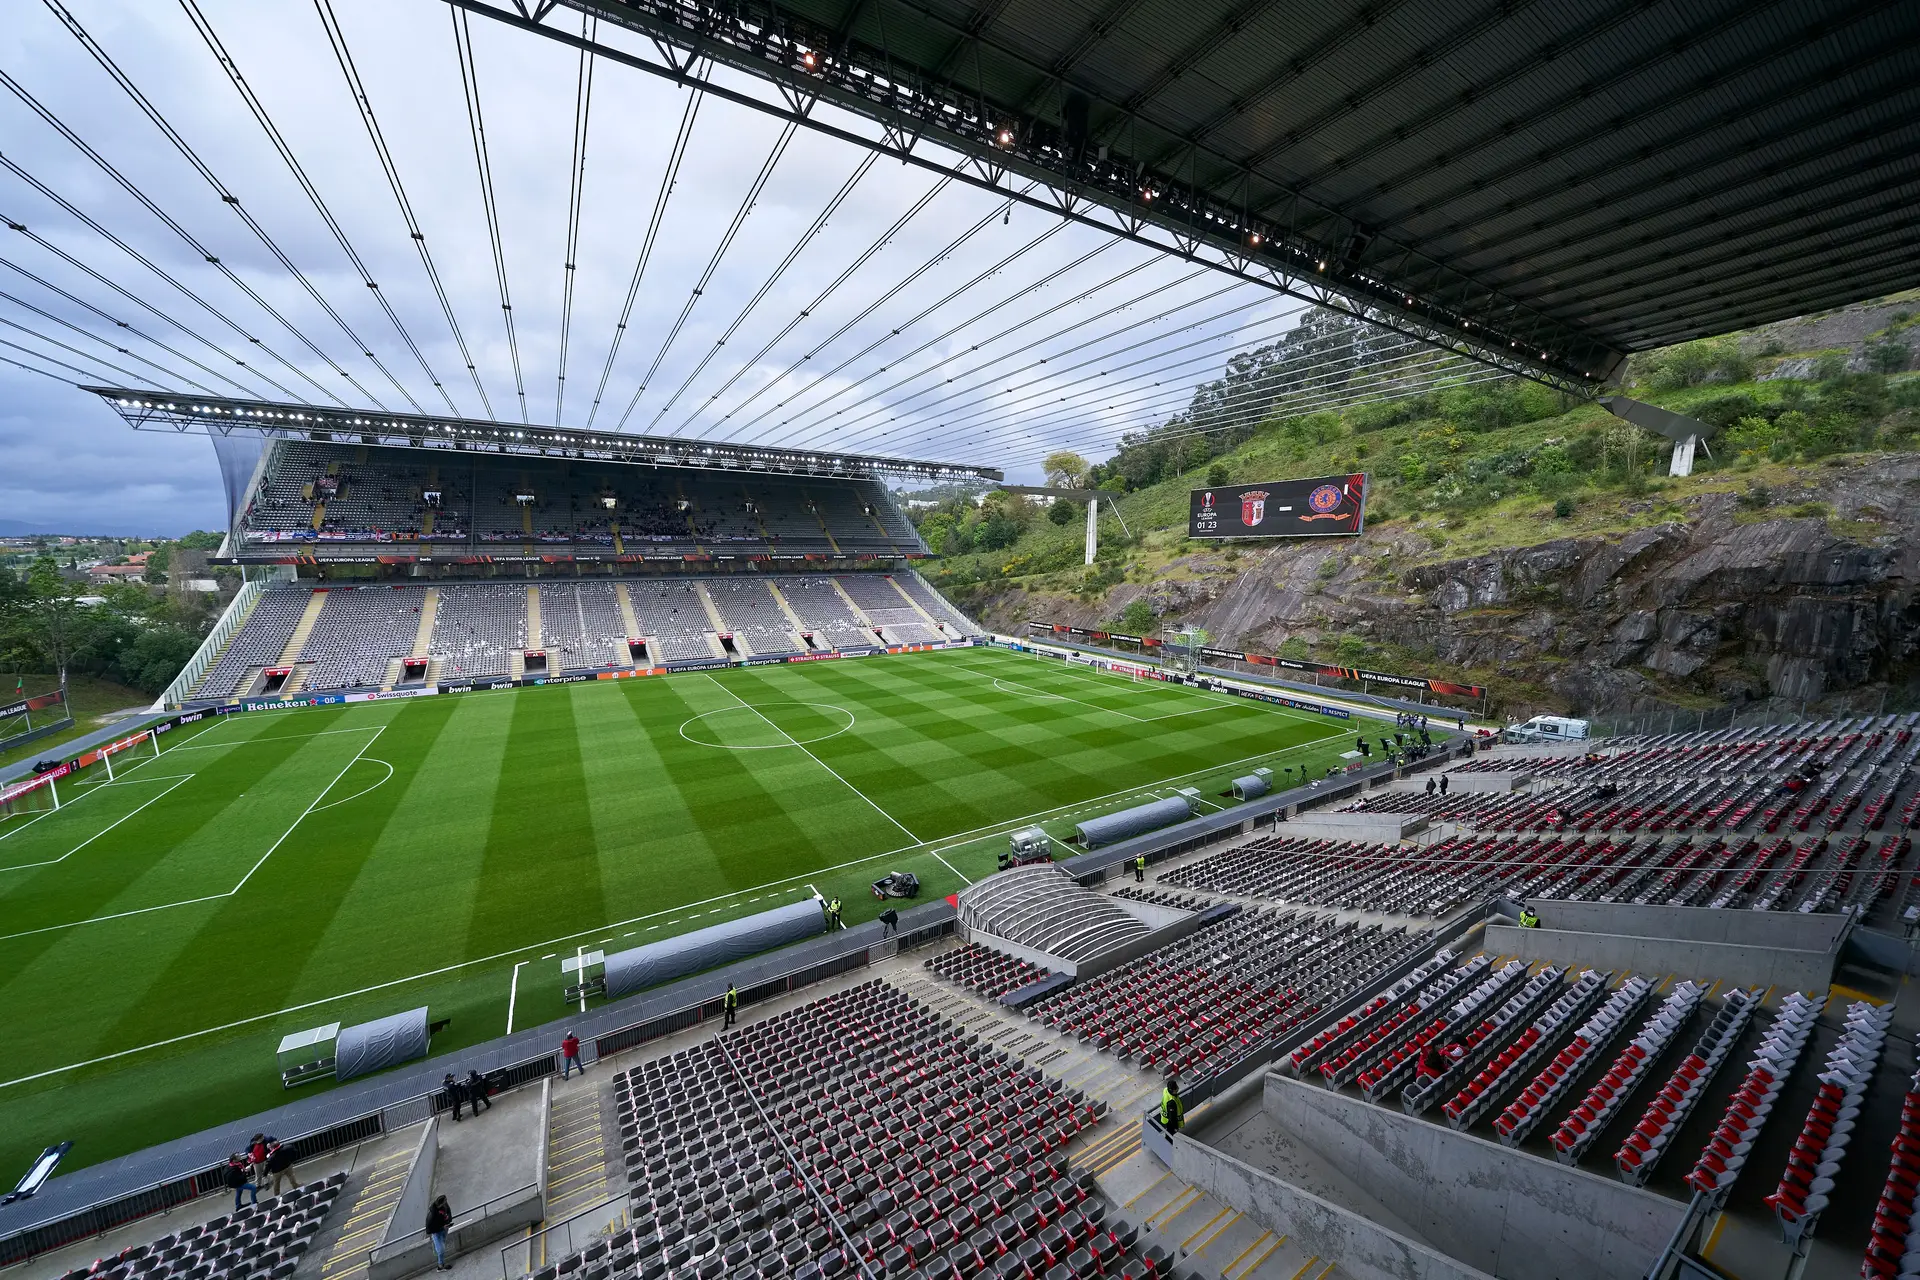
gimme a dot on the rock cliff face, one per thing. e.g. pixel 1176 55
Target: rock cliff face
pixel 1725 601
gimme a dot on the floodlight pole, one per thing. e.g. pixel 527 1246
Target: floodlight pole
pixel 1093 528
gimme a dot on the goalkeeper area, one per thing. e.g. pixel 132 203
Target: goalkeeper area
pixel 265 872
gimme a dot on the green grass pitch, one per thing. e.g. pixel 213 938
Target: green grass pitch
pixel 275 871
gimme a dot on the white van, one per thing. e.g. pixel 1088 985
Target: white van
pixel 1547 729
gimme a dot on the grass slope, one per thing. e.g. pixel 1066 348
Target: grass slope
pixel 90 699
pixel 272 872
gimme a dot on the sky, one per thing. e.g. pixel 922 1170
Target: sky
pixel 973 332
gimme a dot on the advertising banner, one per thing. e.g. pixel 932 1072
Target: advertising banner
pixel 1319 507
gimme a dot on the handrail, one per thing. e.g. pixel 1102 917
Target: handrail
pixel 566 1222
pixel 433 1100
pixel 472 1216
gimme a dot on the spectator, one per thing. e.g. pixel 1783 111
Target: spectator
pixel 570 1056
pixel 1443 784
pixel 257 1157
pixel 280 1165
pixel 439 1218
pixel 1430 786
pixel 477 1091
pixel 237 1167
pixel 456 1093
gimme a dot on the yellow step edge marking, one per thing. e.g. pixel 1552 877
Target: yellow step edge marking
pixel 1305 1267
pixel 1119 1159
pixel 1329 1271
pixel 1150 1186
pixel 1214 1239
pixel 1184 1192
pixel 1104 1143
pixel 1188 1242
pixel 1255 1264
pixel 1848 993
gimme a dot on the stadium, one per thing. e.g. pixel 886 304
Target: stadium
pixel 814 905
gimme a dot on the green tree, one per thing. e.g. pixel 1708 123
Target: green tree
pixel 1062 512
pixel 1137 619
pixel 157 561
pixel 1066 470
pixel 1217 474
pixel 52 615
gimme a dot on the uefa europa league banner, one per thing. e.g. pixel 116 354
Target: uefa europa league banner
pixel 1324 506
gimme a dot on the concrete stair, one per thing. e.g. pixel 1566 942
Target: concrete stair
pixel 859 614
pixel 915 606
pixel 533 619
pixel 298 640
pixel 429 612
pixel 627 615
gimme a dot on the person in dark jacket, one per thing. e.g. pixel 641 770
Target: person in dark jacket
pixel 237 1167
pixel 456 1093
pixel 477 1091
pixel 280 1165
pixel 439 1218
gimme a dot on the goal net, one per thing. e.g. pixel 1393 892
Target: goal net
pixel 34 796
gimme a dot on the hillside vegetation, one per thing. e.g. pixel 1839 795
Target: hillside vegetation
pixel 1460 473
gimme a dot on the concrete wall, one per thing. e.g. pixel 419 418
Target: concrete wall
pixel 497 1219
pixel 1385 828
pixel 1508 1213
pixel 1747 966
pixel 417 1193
pixel 1787 930
pixel 1364 1249
pixel 1495 783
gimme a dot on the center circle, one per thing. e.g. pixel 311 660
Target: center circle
pixel 767 726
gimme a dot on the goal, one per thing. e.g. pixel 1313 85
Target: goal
pixel 28 799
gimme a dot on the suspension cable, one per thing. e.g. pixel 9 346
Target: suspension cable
pixel 999 335
pixel 470 86
pixel 1236 339
pixel 739 372
pixel 88 334
pixel 668 180
pixel 259 110
pixel 986 274
pixel 1115 309
pixel 876 304
pixel 21 364
pixel 118 323
pixel 120 289
pixel 232 201
pixel 806 237
pixel 1027 349
pixel 1316 400
pixel 740 214
pixel 84 355
pixel 336 37
pixel 68 207
pixel 576 191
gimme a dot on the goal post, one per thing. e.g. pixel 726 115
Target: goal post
pixel 30 798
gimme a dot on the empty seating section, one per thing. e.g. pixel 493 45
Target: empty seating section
pixel 881 602
pixel 1817 1154
pixel 984 971
pixel 1653 1136
pixel 263 1241
pixel 1336 1036
pixel 479 627
pixel 1047 910
pixel 747 607
pixel 581 626
pixel 1517 1057
pixel 823 610
pixel 1447 1032
pixel 359 631
pixel 259 642
pixel 937 606
pixel 672 614
pixel 1894 1242
pixel 1584 1123
pixel 340 495
pixel 929 1147
pixel 1726 1153
pixel 1218 995
pixel 1545 1091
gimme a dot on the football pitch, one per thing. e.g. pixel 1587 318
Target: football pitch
pixel 275 871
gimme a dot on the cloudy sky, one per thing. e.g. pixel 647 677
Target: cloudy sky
pixel 1012 334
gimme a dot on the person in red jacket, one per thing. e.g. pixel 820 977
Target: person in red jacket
pixel 570 1056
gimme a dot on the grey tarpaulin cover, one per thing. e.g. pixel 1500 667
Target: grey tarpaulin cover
pixel 372 1046
pixel 1250 786
pixel 670 958
pixel 1139 820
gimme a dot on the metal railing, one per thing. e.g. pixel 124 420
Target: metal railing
pixel 111 1212
pixel 462 1222
pixel 569 1235
pixel 231 620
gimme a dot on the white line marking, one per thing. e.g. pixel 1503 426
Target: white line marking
pixel 945 842
pixel 22 866
pixel 817 760
pixel 949 866
pixel 1112 711
pixel 356 795
pixel 513 993
pixel 209 897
